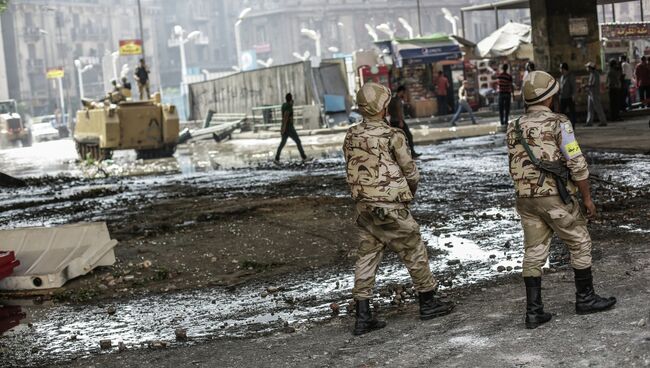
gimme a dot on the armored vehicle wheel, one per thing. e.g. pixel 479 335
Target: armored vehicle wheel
pixel 166 151
pixel 92 151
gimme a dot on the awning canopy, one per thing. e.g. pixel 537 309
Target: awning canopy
pixel 424 50
pixel 523 4
pixel 506 40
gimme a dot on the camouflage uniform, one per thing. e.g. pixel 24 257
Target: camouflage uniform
pixel 382 177
pixel 551 138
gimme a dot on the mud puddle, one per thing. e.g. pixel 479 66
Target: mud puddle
pixel 465 208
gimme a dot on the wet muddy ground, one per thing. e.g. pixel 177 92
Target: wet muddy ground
pixel 226 248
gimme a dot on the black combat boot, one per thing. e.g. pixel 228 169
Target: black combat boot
pixel 365 323
pixel 535 315
pixel 431 308
pixel 587 301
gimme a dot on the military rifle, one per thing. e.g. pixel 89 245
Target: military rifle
pixel 557 169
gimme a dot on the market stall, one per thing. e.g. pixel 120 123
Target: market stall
pixel 511 44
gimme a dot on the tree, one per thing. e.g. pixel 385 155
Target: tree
pixel 3 5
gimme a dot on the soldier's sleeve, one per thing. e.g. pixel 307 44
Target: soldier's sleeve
pixel 402 153
pixel 570 149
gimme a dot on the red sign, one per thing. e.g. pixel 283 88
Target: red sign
pixel 263 48
pixel 625 30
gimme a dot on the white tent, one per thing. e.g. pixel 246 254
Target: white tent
pixel 513 39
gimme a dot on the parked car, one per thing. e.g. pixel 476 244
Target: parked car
pixel 48 128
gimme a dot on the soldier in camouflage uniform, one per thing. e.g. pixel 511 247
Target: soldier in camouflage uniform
pixel 550 138
pixel 383 179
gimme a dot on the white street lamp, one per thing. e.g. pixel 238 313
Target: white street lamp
pixel 314 35
pixel 406 26
pixel 243 14
pixel 333 49
pixel 451 19
pixel 81 69
pixel 266 63
pixel 179 32
pixel 303 57
pixel 371 32
pixel 115 55
pixel 386 28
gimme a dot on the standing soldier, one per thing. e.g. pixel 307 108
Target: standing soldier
pixel 548 169
pixel 383 179
pixel 141 75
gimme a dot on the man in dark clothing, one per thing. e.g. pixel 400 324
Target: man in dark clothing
pixel 504 81
pixel 615 88
pixel 288 130
pixel 142 77
pixel 396 112
pixel 567 92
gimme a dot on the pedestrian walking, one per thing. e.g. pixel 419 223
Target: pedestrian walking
pixel 504 84
pixel 567 93
pixel 593 96
pixel 141 76
pixel 628 78
pixel 546 203
pixel 615 89
pixel 529 67
pixel 397 117
pixel 642 74
pixel 383 180
pixel 442 88
pixel 288 130
pixel 463 105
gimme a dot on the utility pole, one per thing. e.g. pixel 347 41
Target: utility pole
pixel 419 20
pixel 141 28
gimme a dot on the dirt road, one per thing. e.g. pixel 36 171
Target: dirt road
pixel 241 258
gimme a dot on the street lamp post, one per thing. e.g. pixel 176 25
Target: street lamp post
pixel 80 70
pixel 182 40
pixel 314 35
pixel 386 28
pixel 238 35
pixel 371 32
pixel 406 26
pixel 451 19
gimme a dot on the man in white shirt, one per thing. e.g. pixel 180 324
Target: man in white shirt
pixel 628 77
pixel 463 105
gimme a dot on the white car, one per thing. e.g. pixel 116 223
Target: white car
pixel 43 131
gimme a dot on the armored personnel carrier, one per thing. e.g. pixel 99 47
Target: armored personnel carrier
pixel 148 127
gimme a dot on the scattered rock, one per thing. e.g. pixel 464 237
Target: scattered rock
pixel 501 269
pixel 507 245
pixel 350 307
pixel 157 344
pixel 121 347
pixel 274 289
pixel 129 278
pixel 264 294
pixel 105 344
pixel 509 268
pixel 111 310
pixel 335 309
pixel 452 262
pixel 181 334
pixel 493 256
pixel 642 322
pixel 288 329
pixel 146 264
pixel 73 338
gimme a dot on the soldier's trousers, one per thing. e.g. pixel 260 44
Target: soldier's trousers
pixel 392 228
pixel 543 216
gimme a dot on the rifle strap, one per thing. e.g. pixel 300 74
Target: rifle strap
pixel 522 141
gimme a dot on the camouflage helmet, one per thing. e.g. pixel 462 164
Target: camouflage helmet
pixel 372 99
pixel 539 86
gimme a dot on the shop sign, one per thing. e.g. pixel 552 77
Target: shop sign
pixel 578 27
pixel 625 30
pixel 264 48
pixel 130 47
pixel 55 73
